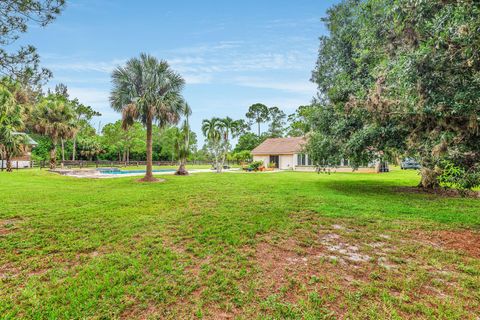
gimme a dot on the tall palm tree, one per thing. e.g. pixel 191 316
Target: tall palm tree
pixel 11 143
pixel 182 142
pixel 230 129
pixel 213 130
pixel 147 90
pixel 55 118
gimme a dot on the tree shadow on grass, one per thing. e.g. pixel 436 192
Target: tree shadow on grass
pixel 388 199
pixel 381 188
pixel 362 188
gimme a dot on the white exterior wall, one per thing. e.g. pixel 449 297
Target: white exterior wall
pixel 286 162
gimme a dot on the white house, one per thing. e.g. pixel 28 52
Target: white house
pixel 287 154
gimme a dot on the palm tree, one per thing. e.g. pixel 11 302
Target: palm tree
pixel 54 118
pixel 213 130
pixel 230 128
pixel 90 147
pixel 182 142
pixel 11 143
pixel 146 89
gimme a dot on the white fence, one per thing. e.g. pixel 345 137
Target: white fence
pixel 20 164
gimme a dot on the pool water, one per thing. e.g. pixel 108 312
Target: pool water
pixel 118 171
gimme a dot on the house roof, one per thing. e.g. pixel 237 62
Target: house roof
pixel 280 146
pixel 28 140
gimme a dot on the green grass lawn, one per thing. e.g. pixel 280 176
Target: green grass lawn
pixel 214 246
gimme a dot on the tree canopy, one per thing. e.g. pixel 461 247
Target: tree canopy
pixel 400 78
pixel 258 113
pixel 16 16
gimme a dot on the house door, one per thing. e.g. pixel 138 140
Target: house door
pixel 276 160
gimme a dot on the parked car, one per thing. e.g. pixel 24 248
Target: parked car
pixel 409 163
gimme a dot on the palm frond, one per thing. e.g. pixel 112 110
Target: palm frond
pixel 129 115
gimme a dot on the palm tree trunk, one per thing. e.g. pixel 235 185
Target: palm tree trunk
pixel 9 161
pixel 222 160
pixel 74 147
pixel 149 173
pixel 63 150
pixel 53 155
pixel 182 170
pixel 217 159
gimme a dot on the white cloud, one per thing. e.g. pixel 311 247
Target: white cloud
pixel 91 96
pixel 304 87
pixel 82 66
pixel 197 78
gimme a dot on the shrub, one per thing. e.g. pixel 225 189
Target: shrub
pixel 255 165
pixel 458 177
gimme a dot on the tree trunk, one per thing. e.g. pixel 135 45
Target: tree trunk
pixel 63 150
pixel 429 178
pixel 182 170
pixel 149 173
pixel 9 162
pixel 217 163
pixel 222 161
pixel 258 128
pixel 128 155
pixel 74 148
pixel 53 155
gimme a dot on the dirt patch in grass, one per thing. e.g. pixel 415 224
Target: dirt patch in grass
pixel 352 269
pixel 284 264
pixel 466 241
pixel 135 311
pixel 7 226
pixel 9 270
pixel 442 192
pixel 276 261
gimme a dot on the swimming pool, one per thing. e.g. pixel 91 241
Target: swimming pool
pixel 118 171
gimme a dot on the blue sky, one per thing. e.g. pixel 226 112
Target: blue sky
pixel 231 53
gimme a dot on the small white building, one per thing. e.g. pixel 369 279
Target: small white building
pixel 287 154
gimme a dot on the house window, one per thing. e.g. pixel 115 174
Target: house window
pixel 303 160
